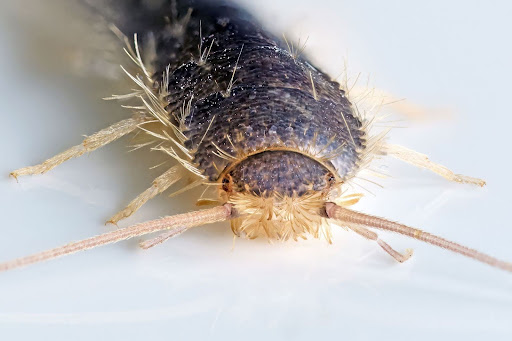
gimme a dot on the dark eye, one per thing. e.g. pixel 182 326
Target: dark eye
pixel 226 184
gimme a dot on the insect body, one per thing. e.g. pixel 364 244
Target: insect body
pixel 245 115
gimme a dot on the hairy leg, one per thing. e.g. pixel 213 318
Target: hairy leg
pixel 159 185
pixel 422 161
pixel 90 143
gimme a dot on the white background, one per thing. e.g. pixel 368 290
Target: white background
pixel 451 57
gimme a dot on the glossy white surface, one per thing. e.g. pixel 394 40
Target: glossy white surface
pixel 439 54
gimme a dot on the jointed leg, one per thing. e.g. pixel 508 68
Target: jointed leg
pixel 422 161
pixel 374 236
pixel 93 142
pixel 160 184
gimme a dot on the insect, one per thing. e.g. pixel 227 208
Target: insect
pixel 273 140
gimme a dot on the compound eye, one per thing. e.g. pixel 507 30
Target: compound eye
pixel 331 179
pixel 227 184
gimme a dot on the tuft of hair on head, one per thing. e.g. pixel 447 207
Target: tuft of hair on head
pixel 280 217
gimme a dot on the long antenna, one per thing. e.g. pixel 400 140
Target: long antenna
pixel 345 215
pixel 191 219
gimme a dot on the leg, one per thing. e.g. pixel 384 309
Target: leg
pixel 374 236
pixel 93 142
pixel 422 161
pixel 160 184
pixel 162 238
pixel 377 99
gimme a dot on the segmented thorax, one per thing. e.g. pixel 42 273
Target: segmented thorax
pixel 271 129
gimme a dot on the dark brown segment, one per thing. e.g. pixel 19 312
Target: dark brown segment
pixel 286 173
pixel 255 119
pixel 271 104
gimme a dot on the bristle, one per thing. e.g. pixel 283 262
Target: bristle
pixel 280 217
